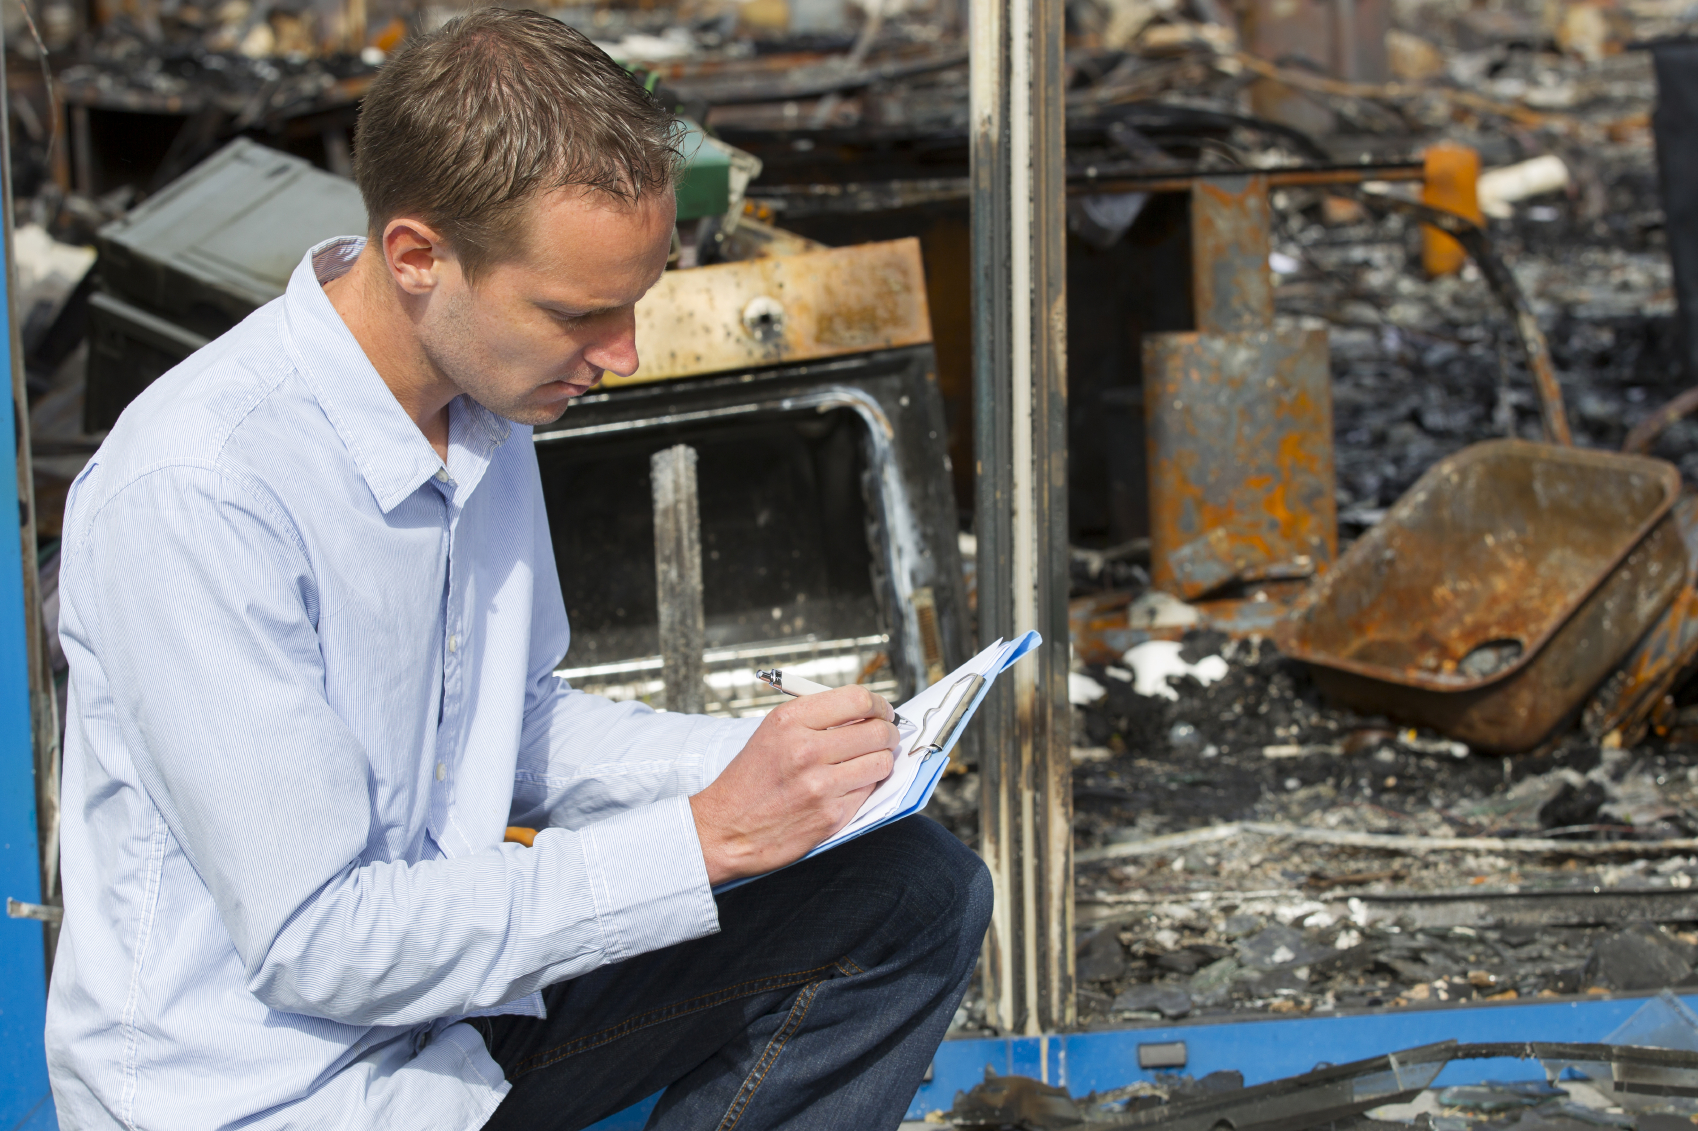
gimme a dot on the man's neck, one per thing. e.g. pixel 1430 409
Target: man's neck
pixel 373 311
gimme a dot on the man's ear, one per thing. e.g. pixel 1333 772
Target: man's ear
pixel 416 255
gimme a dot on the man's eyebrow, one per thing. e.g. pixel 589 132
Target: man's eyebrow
pixel 574 312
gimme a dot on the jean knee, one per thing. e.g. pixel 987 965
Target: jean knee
pixel 971 893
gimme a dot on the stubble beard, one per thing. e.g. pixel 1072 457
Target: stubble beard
pixel 451 350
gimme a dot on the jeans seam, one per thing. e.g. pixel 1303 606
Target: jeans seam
pixel 769 1056
pixel 664 1013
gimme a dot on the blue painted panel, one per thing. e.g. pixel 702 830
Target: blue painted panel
pixel 42 1118
pixel 1269 1049
pixel 23 988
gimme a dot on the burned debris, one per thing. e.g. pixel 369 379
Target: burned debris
pixel 1380 451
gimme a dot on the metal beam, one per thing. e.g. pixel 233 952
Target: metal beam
pixel 678 578
pixel 1019 190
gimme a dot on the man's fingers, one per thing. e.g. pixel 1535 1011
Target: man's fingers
pixel 852 740
pixel 855 799
pixel 863 772
pixel 838 706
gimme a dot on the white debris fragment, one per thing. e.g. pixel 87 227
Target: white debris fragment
pixel 1082 690
pixel 1348 938
pixel 1301 750
pixel 1156 609
pixel 1154 662
pixel 1410 739
pixel 1500 188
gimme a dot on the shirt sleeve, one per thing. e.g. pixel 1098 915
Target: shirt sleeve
pixel 583 758
pixel 205 622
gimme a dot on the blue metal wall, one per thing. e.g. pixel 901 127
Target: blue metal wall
pixel 24 1100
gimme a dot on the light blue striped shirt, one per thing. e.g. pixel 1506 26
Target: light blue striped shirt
pixel 311 684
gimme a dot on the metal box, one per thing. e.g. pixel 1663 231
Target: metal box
pixel 201 255
pixel 828 524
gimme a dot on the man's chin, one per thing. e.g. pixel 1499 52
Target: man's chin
pixel 536 415
pixel 543 406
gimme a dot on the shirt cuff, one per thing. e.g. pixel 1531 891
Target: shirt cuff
pixel 648 878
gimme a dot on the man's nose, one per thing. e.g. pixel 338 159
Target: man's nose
pixel 615 347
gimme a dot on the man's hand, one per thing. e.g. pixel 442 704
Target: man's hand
pixel 801 777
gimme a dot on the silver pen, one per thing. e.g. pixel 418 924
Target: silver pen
pixel 797 686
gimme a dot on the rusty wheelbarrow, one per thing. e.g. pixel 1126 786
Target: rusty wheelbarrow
pixel 1497 593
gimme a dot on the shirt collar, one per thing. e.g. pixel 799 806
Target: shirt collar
pixel 392 454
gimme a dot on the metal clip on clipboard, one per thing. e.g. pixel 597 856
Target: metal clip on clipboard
pixel 972 683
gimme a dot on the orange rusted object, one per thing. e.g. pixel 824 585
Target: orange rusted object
pixel 517 835
pixel 1239 442
pixel 1498 592
pixel 1450 182
pixel 1238 416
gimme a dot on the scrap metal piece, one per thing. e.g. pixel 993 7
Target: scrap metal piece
pixel 678 577
pixel 1569 554
pixel 1239 435
pixel 1014 1101
pixel 1645 433
pixel 1233 289
pixel 791 308
pixel 1238 415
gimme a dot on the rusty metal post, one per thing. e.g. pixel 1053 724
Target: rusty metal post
pixel 678 577
pixel 1020 442
pixel 1231 223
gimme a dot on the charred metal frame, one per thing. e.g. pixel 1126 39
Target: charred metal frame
pixel 1019 187
pixel 896 417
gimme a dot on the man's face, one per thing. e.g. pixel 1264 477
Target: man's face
pixel 537 330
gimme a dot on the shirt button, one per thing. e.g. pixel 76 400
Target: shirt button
pixel 453 643
pixel 442 474
pixel 442 771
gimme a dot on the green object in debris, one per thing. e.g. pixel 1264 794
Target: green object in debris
pixel 705 187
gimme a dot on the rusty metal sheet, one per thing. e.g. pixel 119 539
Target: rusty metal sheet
pixel 828 303
pixel 1498 592
pixel 1239 431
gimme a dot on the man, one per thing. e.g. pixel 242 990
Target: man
pixel 312 614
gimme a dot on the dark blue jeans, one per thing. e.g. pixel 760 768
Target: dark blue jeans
pixel 818 1004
